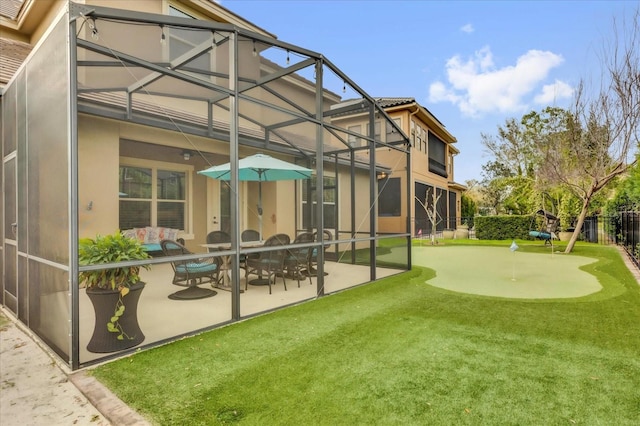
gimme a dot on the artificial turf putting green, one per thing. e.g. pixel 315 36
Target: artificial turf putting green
pixel 500 272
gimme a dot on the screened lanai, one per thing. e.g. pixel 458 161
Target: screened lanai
pixel 130 107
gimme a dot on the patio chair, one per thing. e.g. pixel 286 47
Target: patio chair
pixel 247 236
pixel 250 235
pixel 218 237
pixel 269 263
pixel 191 273
pixel 313 258
pixel 296 261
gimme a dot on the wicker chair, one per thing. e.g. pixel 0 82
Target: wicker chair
pixel 191 273
pixel 297 259
pixel 246 236
pixel 269 263
pixel 218 237
pixel 250 235
pixel 313 256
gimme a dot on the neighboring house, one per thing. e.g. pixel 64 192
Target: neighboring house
pixel 432 166
pixel 109 110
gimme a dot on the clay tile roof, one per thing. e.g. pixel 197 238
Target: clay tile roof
pixel 11 8
pixel 391 102
pixel 12 55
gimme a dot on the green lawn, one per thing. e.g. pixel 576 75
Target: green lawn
pixel 402 352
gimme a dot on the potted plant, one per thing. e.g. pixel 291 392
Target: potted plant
pixel 462 231
pixel 114 292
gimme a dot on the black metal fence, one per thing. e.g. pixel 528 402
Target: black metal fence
pixel 627 233
pixel 598 229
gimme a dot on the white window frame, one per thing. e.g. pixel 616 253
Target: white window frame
pixel 170 35
pixel 398 122
pixel 353 140
pixel 302 203
pixel 186 233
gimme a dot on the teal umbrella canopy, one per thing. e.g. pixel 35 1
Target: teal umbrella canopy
pixel 259 168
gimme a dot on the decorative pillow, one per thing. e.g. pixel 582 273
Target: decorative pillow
pixel 129 233
pixel 162 232
pixel 141 234
pixel 170 234
pixel 152 236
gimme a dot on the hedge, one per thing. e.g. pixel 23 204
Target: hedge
pixel 503 227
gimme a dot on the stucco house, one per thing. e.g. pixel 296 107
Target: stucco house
pixel 431 166
pixel 109 111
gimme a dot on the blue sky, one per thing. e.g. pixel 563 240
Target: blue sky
pixel 473 64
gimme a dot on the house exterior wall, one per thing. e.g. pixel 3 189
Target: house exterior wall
pixel 99 159
pixel 362 203
pixel 417 123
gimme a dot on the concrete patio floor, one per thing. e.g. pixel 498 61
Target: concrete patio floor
pixel 162 318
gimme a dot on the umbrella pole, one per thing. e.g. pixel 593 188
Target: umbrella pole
pixel 260 209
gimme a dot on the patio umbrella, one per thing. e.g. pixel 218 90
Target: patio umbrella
pixel 259 168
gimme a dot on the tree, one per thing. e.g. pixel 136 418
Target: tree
pixel 495 188
pixel 627 192
pixel 510 179
pixel 594 142
pixel 514 148
pixel 432 211
pixel 468 209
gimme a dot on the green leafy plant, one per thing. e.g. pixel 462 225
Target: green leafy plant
pixel 569 209
pixel 111 249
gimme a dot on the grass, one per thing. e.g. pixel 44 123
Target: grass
pixel 399 351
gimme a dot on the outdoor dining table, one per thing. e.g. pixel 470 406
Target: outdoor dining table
pixel 225 266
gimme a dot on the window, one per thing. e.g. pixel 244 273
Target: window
pixel 423 205
pixel 413 134
pixel 377 134
pixel 153 196
pixel 437 156
pixel 329 197
pixel 392 134
pixel 389 193
pixel 376 131
pixel 175 12
pixel 452 209
pixel 353 140
pixel 183 41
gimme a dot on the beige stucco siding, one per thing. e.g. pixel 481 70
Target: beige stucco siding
pixel 98 159
pixel 104 144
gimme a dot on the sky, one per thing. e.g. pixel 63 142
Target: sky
pixel 472 64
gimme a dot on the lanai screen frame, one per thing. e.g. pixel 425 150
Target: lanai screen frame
pixel 85 20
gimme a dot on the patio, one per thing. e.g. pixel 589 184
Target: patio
pixel 142 119
pixel 161 318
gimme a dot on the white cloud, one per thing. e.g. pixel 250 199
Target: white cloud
pixel 476 86
pixel 438 93
pixel 467 28
pixel 552 93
